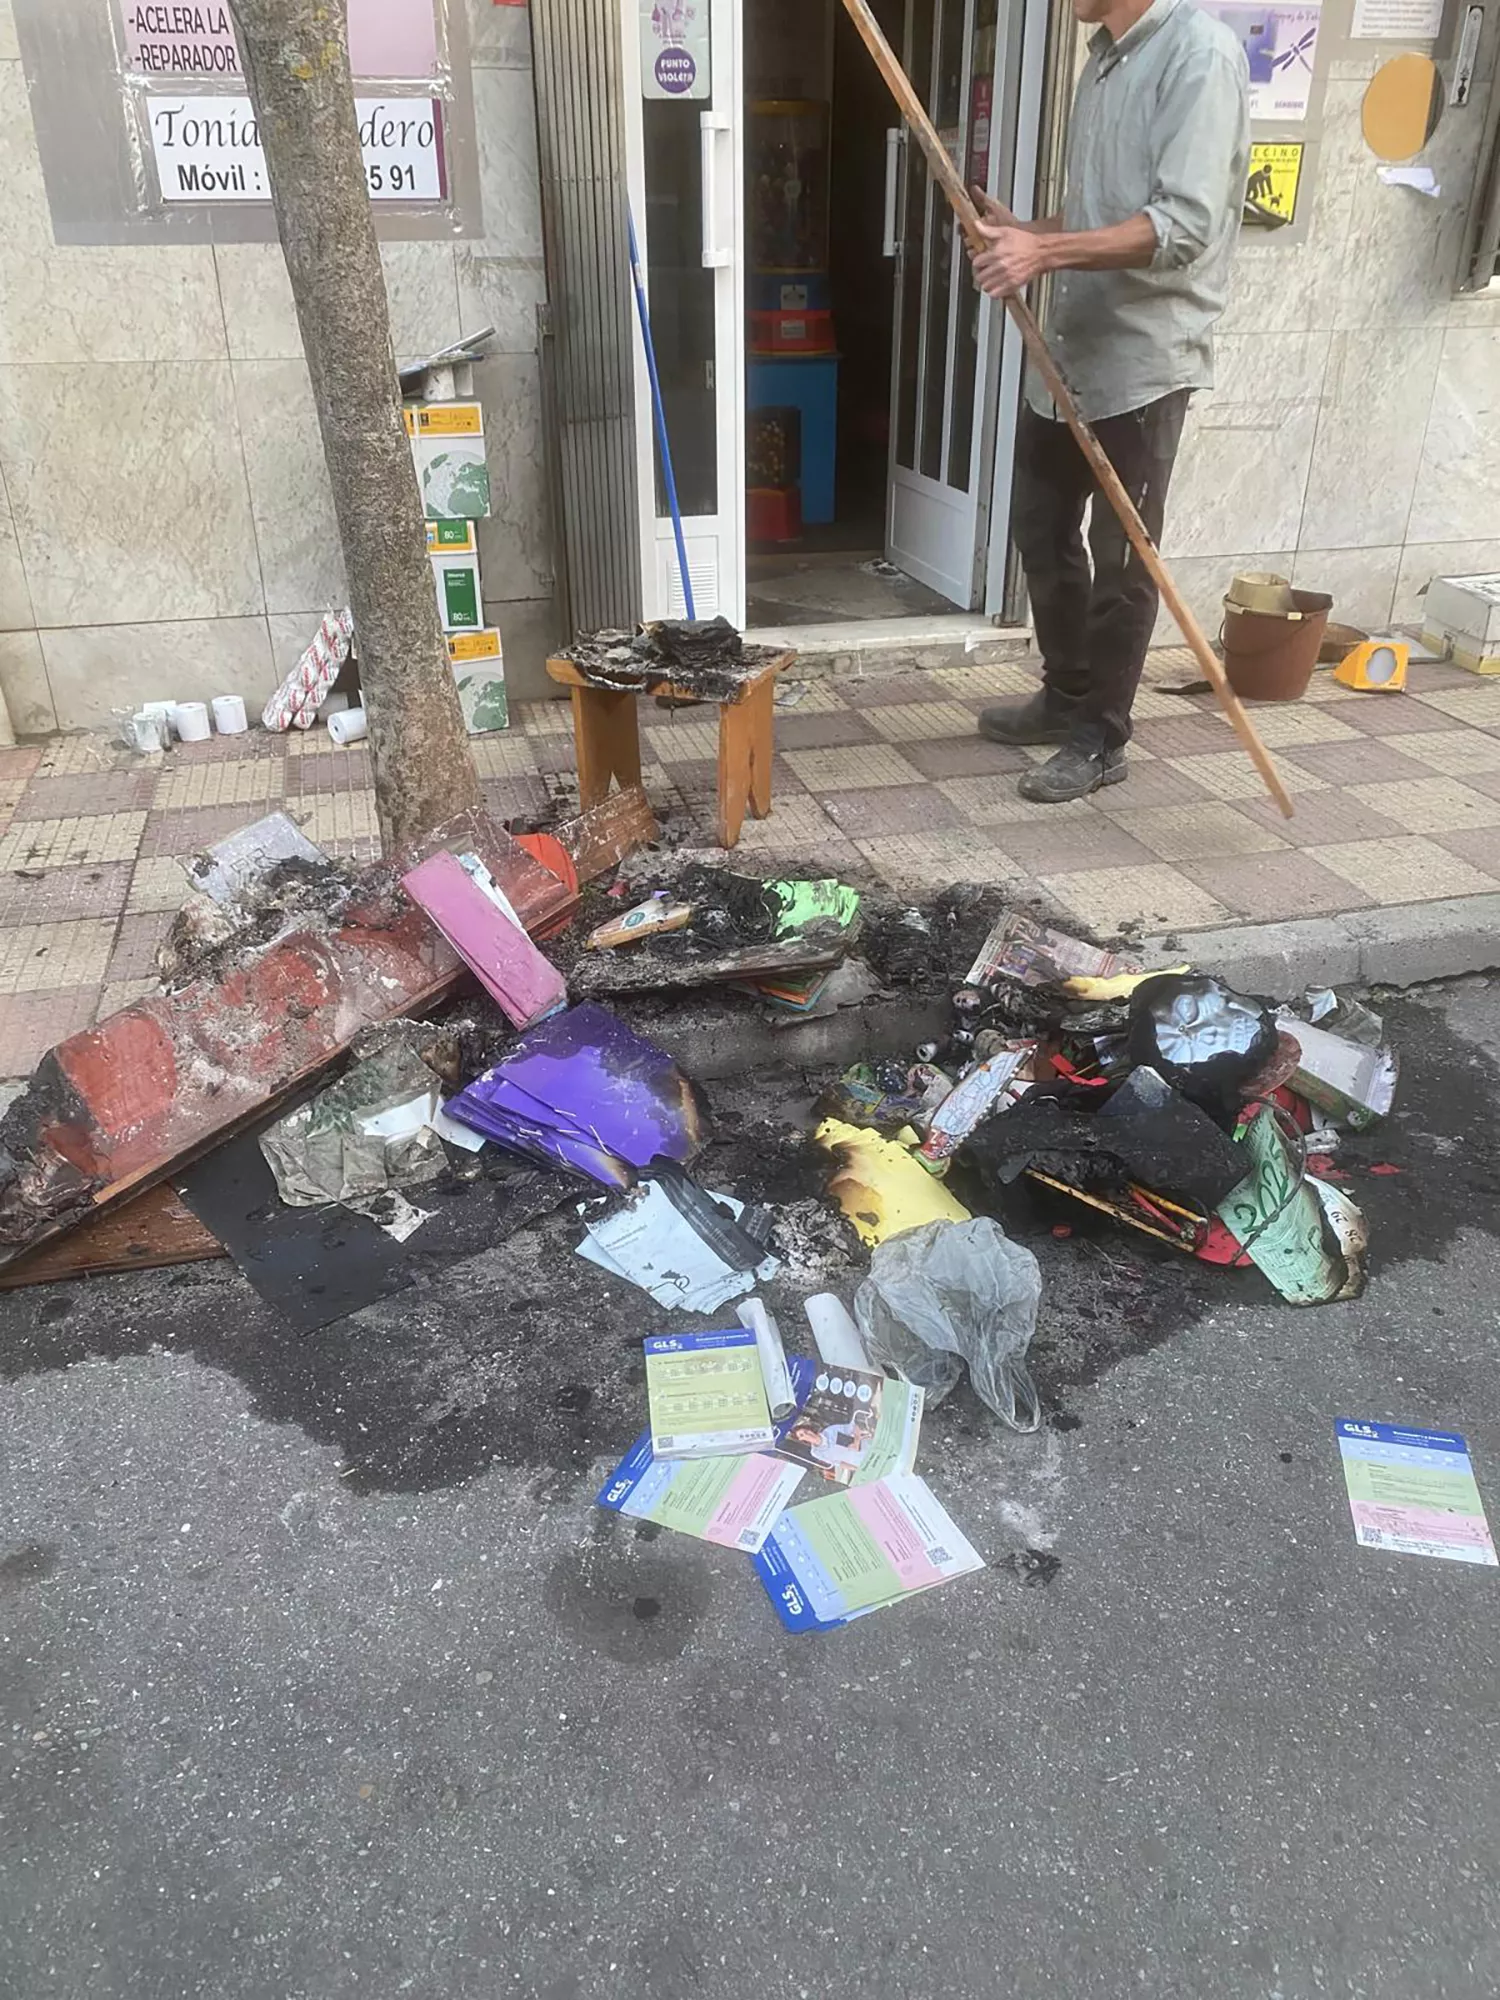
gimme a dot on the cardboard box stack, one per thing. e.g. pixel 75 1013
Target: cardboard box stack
pixel 447 442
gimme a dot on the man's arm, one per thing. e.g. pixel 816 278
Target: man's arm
pixel 1202 119
pixel 996 213
pixel 1016 255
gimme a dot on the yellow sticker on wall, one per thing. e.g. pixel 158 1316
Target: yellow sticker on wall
pixel 1271 192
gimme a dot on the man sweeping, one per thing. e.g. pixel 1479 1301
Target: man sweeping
pixel 1158 152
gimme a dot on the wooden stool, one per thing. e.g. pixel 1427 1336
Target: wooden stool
pixel 606 737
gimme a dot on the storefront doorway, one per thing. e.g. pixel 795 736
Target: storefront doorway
pixel 839 401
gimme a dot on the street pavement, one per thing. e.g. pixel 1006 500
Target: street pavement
pixel 287 1712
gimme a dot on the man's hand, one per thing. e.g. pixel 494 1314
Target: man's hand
pixel 993 211
pixel 1014 257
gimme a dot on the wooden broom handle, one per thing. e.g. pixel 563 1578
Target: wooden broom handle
pixel 951 182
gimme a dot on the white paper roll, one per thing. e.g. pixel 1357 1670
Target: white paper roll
pixel 190 720
pixel 778 1380
pixel 348 726
pixel 835 1333
pixel 229 714
pixel 162 710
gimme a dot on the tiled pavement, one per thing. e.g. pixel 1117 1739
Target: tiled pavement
pixel 1398 801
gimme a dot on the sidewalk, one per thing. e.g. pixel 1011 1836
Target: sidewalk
pixel 877 779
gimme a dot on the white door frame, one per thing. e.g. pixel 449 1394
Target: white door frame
pixel 715 542
pixel 1001 404
pixel 981 516
pixel 956 541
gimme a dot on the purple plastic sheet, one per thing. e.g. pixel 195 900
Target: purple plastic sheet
pixel 582 1090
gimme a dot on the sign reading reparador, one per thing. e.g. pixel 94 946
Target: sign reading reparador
pixel 208 148
pixel 387 38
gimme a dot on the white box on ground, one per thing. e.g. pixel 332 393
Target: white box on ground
pixel 1461 617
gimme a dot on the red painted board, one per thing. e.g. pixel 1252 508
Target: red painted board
pixel 122 1105
pixel 500 955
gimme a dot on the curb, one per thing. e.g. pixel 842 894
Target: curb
pixel 707 1052
pixel 1407 944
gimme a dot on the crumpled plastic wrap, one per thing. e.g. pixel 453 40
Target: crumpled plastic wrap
pixel 950 1293
pixel 366 1134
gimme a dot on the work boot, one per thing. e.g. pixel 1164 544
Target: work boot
pixel 1076 770
pixel 1034 721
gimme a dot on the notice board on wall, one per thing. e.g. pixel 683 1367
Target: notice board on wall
pixel 146 133
pixel 205 148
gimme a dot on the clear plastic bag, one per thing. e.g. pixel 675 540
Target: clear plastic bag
pixel 955 1292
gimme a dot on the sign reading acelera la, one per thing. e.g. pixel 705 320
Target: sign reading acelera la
pixel 388 39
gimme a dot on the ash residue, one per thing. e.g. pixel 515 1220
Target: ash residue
pixel 929 947
pixel 207 937
pixel 37 1184
pixel 1033 1566
pixel 819 1251
pixel 730 909
pixel 707 658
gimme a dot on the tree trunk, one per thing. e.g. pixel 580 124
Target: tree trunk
pixel 296 62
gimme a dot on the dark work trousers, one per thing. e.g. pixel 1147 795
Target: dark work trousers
pixel 1092 629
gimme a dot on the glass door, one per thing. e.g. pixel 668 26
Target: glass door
pixel 976 66
pixel 683 130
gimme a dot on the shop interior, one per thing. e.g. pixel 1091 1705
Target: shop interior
pixel 820 307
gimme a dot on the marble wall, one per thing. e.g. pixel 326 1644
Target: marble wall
pixel 165 522
pixel 1350 441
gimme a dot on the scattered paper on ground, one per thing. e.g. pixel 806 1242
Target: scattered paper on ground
pixel 733 1501
pixel 851 1552
pixel 706 1393
pixel 854 1428
pixel 1413 1492
pixel 651 1243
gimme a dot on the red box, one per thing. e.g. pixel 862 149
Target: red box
pixel 791 333
pixel 773 514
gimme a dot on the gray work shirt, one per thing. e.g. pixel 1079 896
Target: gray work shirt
pixel 1161 125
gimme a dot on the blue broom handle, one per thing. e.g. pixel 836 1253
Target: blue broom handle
pixel 659 411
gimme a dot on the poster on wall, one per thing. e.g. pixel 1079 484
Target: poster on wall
pixel 1271 192
pixel 1280 42
pixel 675 49
pixel 1396 21
pixel 208 148
pixel 387 38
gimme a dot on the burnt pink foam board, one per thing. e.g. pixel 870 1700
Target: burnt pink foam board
pixel 499 953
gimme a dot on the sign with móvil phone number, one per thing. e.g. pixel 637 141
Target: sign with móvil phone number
pixel 208 148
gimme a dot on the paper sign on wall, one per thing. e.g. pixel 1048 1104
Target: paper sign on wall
pixel 1271 192
pixel 387 38
pixel 1280 42
pixel 208 148
pixel 1397 21
pixel 675 49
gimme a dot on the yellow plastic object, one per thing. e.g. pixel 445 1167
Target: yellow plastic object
pixel 881 1185
pixel 1379 665
pixel 1402 104
pixel 1119 988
